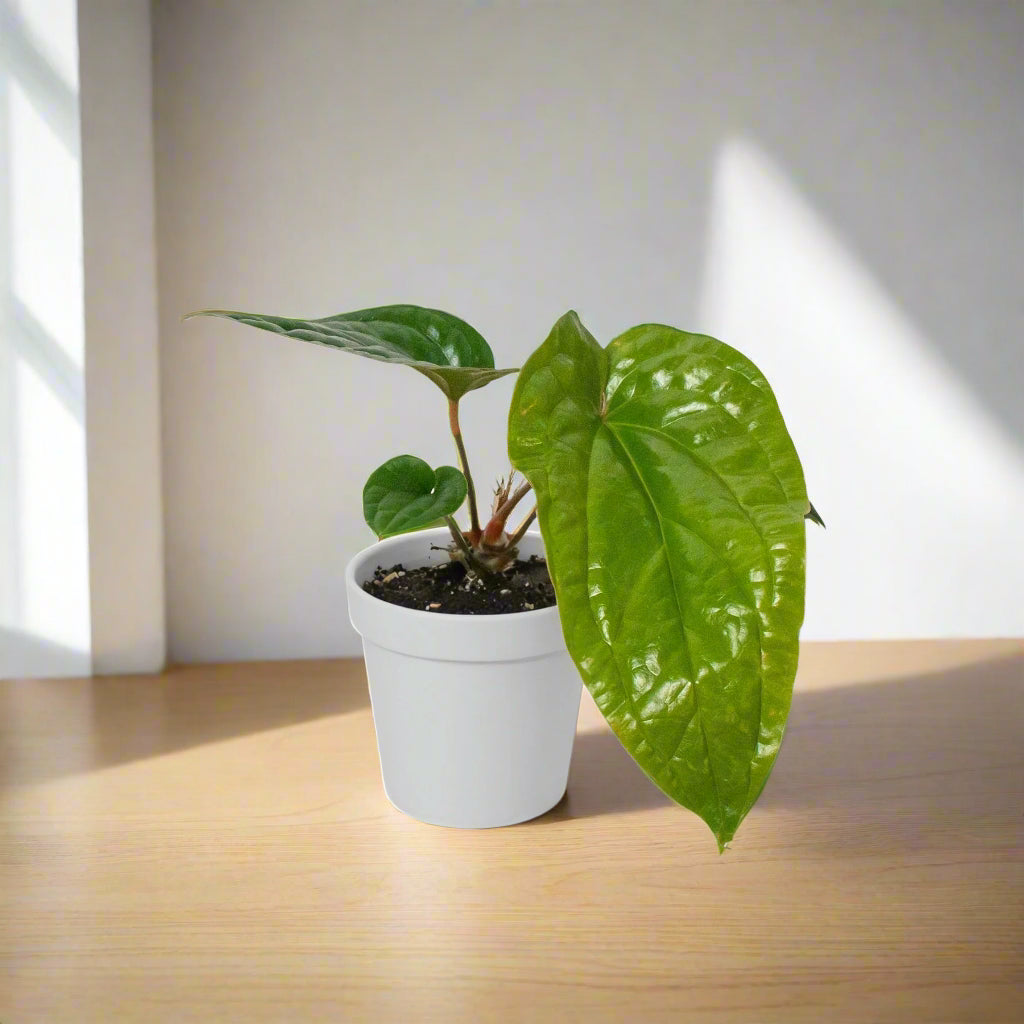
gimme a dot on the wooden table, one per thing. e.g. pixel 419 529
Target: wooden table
pixel 213 844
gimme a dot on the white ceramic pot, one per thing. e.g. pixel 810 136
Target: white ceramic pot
pixel 475 714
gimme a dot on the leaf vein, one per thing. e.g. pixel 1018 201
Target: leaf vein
pixel 679 446
pixel 682 619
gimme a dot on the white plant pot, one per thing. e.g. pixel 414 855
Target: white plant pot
pixel 475 714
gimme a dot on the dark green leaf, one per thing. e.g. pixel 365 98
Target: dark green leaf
pixel 671 501
pixel 440 346
pixel 405 494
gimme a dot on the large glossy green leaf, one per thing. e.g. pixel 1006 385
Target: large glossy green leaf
pixel 405 494
pixel 440 346
pixel 671 502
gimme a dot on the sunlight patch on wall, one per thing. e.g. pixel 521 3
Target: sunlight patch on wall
pixel 46 227
pixel 921 488
pixel 44 568
pixel 52 515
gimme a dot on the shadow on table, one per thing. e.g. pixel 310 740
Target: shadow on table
pixel 855 750
pixel 56 727
pixel 936 749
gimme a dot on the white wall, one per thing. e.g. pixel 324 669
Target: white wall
pixel 126 572
pixel 81 538
pixel 835 188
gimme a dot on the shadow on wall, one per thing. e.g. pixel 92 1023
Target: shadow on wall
pixel 24 656
pixel 901 126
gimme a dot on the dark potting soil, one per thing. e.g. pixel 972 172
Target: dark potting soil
pixel 449 588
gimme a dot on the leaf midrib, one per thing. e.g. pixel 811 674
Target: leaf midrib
pixel 682 620
pixel 350 334
pixel 366 344
pixel 679 446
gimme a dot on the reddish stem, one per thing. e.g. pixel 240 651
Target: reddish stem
pixel 496 526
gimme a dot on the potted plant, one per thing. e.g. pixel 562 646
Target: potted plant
pixel 671 506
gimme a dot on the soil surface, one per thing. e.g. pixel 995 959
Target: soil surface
pixel 449 588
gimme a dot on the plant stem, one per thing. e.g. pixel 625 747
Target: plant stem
pixel 496 525
pixel 458 537
pixel 520 531
pixel 453 420
pixel 467 552
pixel 504 510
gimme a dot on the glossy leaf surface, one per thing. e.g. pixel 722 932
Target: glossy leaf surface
pixel 405 494
pixel 440 346
pixel 671 502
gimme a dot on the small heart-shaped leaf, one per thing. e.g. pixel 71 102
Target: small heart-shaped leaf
pixel 440 346
pixel 405 494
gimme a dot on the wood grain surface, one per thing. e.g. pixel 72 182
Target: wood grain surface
pixel 213 844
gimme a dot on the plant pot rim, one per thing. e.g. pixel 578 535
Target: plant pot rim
pixel 445 636
pixel 387 544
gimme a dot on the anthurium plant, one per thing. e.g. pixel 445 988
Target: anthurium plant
pixel 672 506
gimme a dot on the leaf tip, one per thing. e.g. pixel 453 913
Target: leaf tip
pixel 205 312
pixel 812 514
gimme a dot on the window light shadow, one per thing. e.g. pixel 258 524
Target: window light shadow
pixel 113 720
pixel 910 758
pixel 44 583
pixel 925 500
